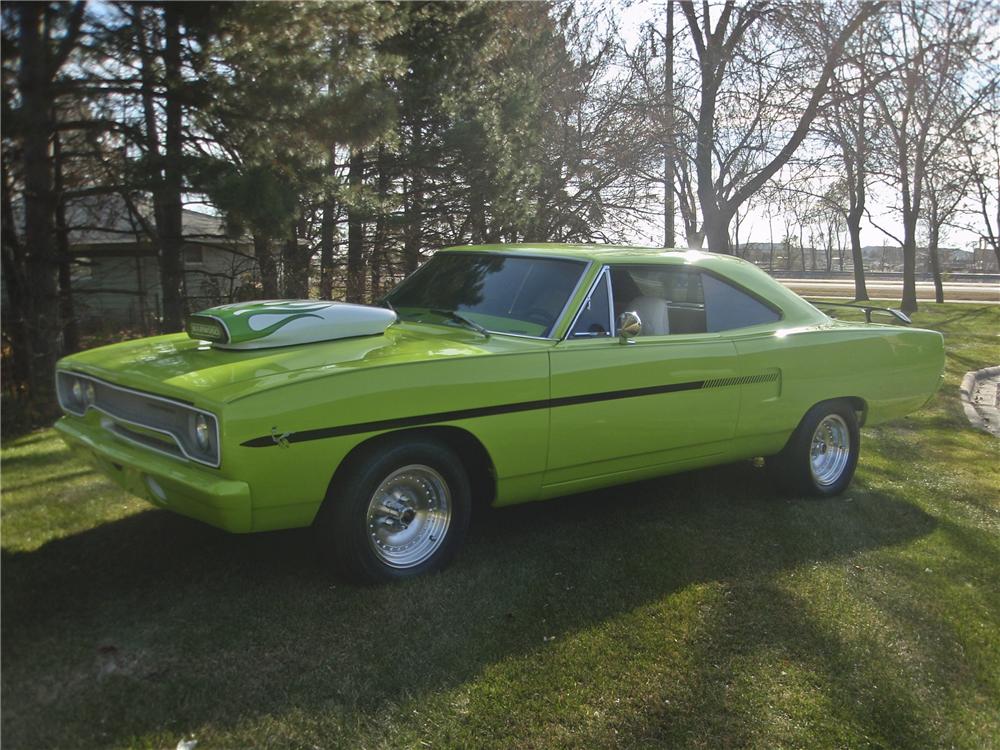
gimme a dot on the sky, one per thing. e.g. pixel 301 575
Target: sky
pixel 630 16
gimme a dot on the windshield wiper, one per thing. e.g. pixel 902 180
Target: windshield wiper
pixel 461 319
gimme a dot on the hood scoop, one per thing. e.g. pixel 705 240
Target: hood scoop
pixel 272 323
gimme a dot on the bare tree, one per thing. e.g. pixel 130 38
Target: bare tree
pixel 928 90
pixel 751 62
pixel 847 125
pixel 981 150
pixel 945 190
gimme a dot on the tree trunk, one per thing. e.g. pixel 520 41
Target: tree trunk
pixel 379 246
pixel 802 250
pixel 414 204
pixel 668 156
pixel 858 259
pixel 327 230
pixel 477 213
pixel 932 249
pixel 40 302
pixel 355 230
pixel 268 267
pixel 171 209
pixel 908 304
pixel 295 260
pixel 716 230
pixel 770 247
pixel 16 285
pixel 67 316
pixel 829 248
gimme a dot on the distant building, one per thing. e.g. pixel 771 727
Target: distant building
pixel 116 278
pixel 782 257
pixel 984 259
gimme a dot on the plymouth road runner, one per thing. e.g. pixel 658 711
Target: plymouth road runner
pixel 496 374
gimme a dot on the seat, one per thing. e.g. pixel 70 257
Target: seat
pixel 654 314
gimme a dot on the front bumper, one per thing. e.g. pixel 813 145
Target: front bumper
pixel 176 485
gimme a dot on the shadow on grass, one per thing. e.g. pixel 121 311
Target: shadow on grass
pixel 50 479
pixel 966 317
pixel 205 628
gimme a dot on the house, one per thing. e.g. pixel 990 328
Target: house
pixel 115 272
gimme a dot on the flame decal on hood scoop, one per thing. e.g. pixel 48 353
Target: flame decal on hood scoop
pixel 270 323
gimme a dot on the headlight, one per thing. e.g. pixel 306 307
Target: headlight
pixel 202 436
pixel 89 395
pixel 77 391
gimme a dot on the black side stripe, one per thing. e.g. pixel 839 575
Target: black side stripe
pixel 483 411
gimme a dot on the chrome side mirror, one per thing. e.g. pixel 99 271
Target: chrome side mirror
pixel 629 325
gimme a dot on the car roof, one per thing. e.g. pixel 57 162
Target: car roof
pixel 609 254
pixel 599 253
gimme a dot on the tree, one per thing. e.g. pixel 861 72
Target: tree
pixel 945 189
pixel 44 35
pixel 847 125
pixel 927 91
pixel 981 150
pixel 296 86
pixel 743 74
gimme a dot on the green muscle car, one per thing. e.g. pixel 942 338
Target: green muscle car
pixel 495 374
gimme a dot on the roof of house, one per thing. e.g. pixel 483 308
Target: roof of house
pixel 109 220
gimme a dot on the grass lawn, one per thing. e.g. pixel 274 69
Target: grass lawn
pixel 701 610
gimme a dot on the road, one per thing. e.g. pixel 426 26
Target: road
pixel 988 293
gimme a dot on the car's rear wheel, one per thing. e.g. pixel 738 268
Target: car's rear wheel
pixel 401 509
pixel 822 454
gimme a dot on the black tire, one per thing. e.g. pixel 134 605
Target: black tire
pixel 796 471
pixel 425 477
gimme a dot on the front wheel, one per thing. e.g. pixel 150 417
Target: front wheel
pixel 402 509
pixel 822 454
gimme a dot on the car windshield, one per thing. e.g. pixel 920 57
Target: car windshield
pixel 501 293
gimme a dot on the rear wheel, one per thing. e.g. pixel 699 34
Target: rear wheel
pixel 822 454
pixel 401 509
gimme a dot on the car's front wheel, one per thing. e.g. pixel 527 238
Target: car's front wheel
pixel 822 454
pixel 401 509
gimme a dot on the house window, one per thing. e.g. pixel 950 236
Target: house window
pixel 81 270
pixel 194 255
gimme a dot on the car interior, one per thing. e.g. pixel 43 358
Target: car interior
pixel 671 301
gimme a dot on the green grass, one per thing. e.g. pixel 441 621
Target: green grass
pixel 698 611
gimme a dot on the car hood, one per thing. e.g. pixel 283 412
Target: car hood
pixel 178 366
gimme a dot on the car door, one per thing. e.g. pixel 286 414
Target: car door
pixel 625 410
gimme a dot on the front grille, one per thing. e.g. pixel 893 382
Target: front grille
pixel 145 419
pixel 166 446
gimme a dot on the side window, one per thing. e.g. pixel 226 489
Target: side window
pixel 673 300
pixel 727 307
pixel 595 317
pixel 667 299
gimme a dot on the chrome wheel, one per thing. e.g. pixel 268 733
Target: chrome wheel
pixel 830 450
pixel 408 516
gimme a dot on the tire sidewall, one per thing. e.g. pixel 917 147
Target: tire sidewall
pixel 344 524
pixel 793 468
